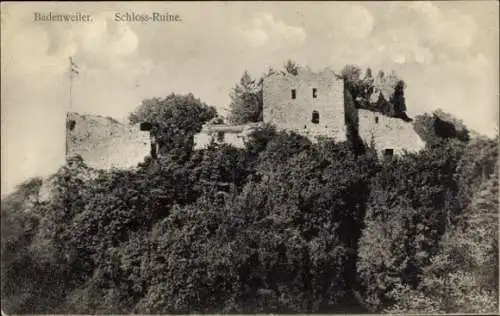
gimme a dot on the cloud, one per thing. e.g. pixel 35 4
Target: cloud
pixel 434 47
pixel 467 88
pixel 420 32
pixel 36 47
pixel 447 27
pixel 265 30
pixel 34 65
pixel 354 21
pixel 102 44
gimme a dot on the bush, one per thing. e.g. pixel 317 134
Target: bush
pixel 283 225
pixel 175 119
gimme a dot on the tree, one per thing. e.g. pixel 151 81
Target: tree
pixel 409 210
pixel 351 74
pixel 433 129
pixel 381 75
pixel 176 119
pixel 475 168
pixel 283 225
pixel 423 125
pixel 463 276
pixel 271 71
pixel 398 98
pixel 246 101
pixel 291 67
pixel 368 74
pixel 367 85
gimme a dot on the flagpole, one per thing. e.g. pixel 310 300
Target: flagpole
pixel 70 70
pixel 70 83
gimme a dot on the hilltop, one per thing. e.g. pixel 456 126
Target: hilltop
pixel 280 225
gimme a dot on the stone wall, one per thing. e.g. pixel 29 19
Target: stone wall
pixel 316 104
pixel 296 114
pixel 202 140
pixel 388 133
pixel 235 135
pixel 105 143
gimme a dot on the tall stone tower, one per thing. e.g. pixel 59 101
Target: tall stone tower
pixel 311 104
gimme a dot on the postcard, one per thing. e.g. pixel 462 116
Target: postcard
pixel 249 157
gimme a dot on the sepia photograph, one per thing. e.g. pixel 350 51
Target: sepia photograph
pixel 256 157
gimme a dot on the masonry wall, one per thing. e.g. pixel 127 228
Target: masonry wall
pixel 202 140
pixel 106 144
pixel 296 114
pixel 388 133
pixel 235 135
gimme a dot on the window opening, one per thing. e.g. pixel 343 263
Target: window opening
pixel 315 117
pixel 220 136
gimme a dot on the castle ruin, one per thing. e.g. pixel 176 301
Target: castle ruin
pixel 318 105
pixel 311 104
pixel 104 143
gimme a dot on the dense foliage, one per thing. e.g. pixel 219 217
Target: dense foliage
pixel 432 127
pixel 384 94
pixel 283 225
pixel 175 119
pixel 246 101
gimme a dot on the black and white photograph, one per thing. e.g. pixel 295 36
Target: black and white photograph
pixel 249 157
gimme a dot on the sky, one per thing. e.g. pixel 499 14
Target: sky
pixel 447 53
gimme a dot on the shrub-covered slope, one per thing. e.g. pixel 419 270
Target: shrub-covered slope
pixel 283 225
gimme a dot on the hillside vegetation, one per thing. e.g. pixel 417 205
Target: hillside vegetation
pixel 283 225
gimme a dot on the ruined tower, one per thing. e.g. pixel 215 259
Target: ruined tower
pixel 311 104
